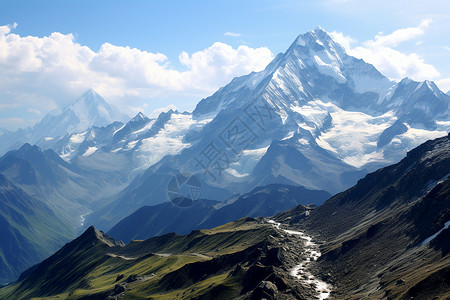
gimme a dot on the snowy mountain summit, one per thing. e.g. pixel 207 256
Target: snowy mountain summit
pixel 87 111
pixel 90 110
pixel 321 96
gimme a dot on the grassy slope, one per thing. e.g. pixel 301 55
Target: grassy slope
pixel 100 265
pixel 33 231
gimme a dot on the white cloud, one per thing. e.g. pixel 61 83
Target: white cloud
pixel 7 122
pixel 344 40
pixel 234 34
pixel 158 111
pixel 398 36
pixel 35 111
pixel 444 84
pixel 45 73
pixel 220 63
pixel 382 53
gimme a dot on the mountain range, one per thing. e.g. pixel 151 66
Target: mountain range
pixel 149 221
pixel 315 118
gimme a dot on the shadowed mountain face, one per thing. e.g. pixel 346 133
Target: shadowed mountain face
pixel 264 201
pixel 29 231
pixel 388 236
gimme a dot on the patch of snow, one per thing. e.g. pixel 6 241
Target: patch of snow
pixel 247 160
pixel 90 151
pixel 78 137
pixel 235 173
pixel 429 239
pixel 303 141
pixel 169 141
pixel 119 129
pixel 130 145
pixel 353 136
pixel 415 136
pixel 300 41
pixel 331 69
pixel 288 136
pixel 312 112
pixel 145 128
pixel 67 155
pixel 255 152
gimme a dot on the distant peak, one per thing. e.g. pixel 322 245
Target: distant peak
pixel 319 29
pixel 139 117
pixel 91 91
pixel 317 38
pixel 28 147
pixel 93 234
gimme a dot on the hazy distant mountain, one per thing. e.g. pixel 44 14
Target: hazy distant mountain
pixel 68 190
pixel 87 111
pixel 3 131
pixel 150 221
pixel 29 231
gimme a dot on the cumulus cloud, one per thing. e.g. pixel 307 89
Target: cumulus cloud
pixel 444 84
pixel 345 41
pixel 158 111
pixel 382 53
pixel 46 73
pixel 221 61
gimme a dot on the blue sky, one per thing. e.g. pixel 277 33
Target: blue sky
pixel 147 55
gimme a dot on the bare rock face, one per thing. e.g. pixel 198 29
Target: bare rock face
pixel 265 290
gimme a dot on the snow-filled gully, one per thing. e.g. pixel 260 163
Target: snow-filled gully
pixel 300 271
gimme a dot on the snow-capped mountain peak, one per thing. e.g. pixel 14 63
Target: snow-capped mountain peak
pixel 314 67
pixel 139 117
pixel 419 102
pixel 87 111
pixel 91 110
